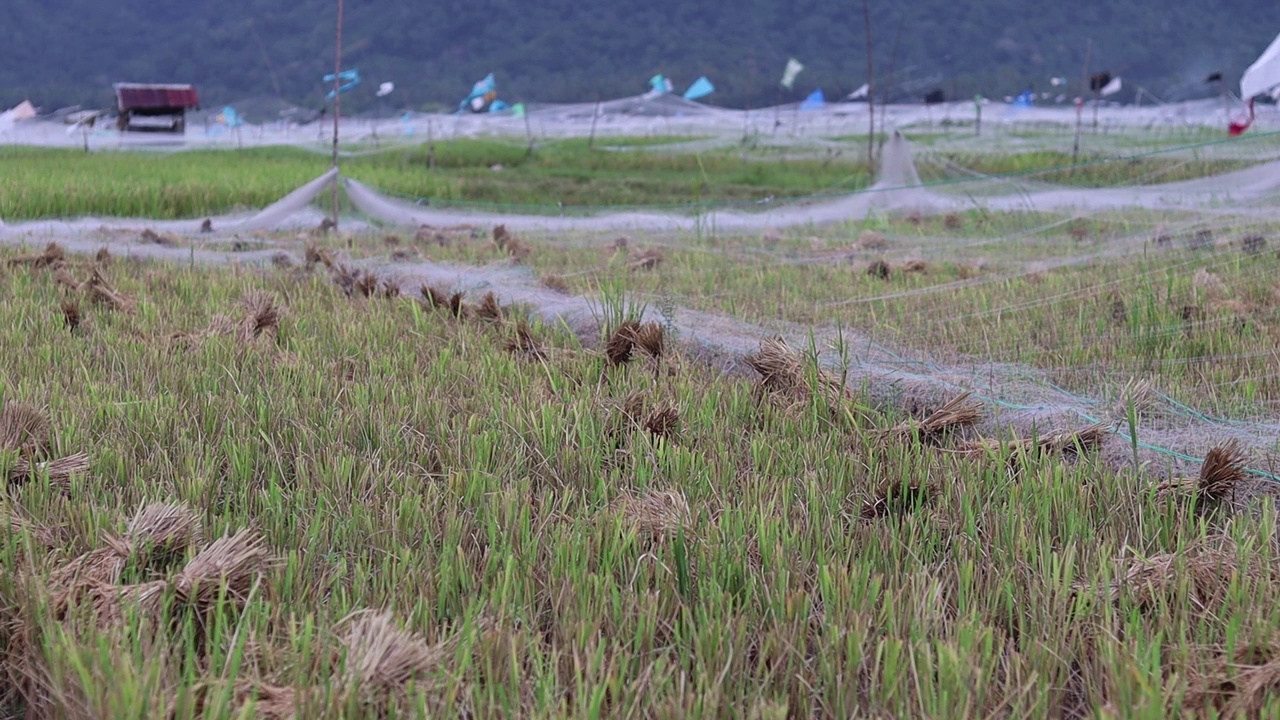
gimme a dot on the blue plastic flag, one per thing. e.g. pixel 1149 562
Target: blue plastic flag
pixel 701 87
pixel 481 90
pixel 660 84
pixel 231 118
pixel 349 78
pixel 1026 99
pixel 498 106
pixel 815 101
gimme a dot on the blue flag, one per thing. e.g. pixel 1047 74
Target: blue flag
pixel 815 101
pixel 660 85
pixel 349 78
pixel 701 87
pixel 482 93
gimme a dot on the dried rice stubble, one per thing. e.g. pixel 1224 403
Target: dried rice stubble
pixel 621 343
pixel 59 471
pixel 72 318
pixel 1017 451
pixel 663 422
pixel 224 574
pixel 45 537
pixel 25 432
pixel 646 259
pixel 261 316
pixel 961 412
pixel 1221 472
pixel 650 338
pixel 100 292
pixel 435 299
pixel 657 515
pixel 896 498
pixel 1208 570
pixel 315 255
pixel 228 568
pixel 1236 684
pixel 65 279
pixel 268 701
pixel 783 373
pixel 25 428
pixel 158 536
pixel 52 257
pixel 523 343
pixel 488 309
pixel 384 662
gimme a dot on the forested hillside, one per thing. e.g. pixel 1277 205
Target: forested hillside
pixel 70 51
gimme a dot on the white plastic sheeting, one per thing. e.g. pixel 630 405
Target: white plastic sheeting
pixel 1263 75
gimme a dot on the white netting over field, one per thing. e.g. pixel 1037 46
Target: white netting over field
pixel 898 189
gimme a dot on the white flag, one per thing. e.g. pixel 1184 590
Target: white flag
pixel 789 75
pixel 860 92
pixel 1112 87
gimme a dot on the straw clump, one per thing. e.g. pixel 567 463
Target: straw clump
pixel 100 292
pixel 224 572
pixel 435 298
pixel 1209 284
pixel 646 259
pixel 1063 443
pixel 25 428
pixel 151 237
pixel 25 431
pixel 871 240
pixel 52 257
pixel 315 255
pixel 72 317
pixel 488 308
pixel 1206 572
pixel 383 660
pixel 663 422
pixel 783 372
pixel 618 348
pixel 1240 684
pixel 657 514
pixel 522 342
pixel 958 413
pixel 158 534
pixel 260 317
pixel 228 567
pixel 64 278
pixel 556 283
pixel 1222 471
pixel 647 338
pixel 896 498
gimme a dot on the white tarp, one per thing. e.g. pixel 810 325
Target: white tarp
pixel 1264 74
pixel 22 111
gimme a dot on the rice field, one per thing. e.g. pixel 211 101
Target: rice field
pixel 465 472
pixel 1088 302
pixel 52 184
pixel 290 498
